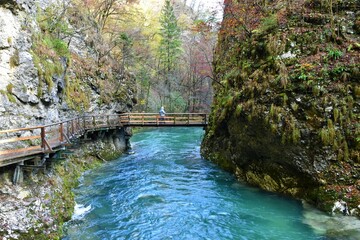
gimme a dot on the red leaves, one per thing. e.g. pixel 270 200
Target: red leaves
pixel 240 18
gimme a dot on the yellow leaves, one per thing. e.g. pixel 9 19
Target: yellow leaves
pixel 307 66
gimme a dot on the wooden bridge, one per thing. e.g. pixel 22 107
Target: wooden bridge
pixel 22 144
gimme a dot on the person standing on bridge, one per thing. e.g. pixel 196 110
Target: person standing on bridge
pixel 162 114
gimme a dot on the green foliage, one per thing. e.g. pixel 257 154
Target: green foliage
pixel 357 91
pixel 48 48
pixel 296 135
pixel 336 114
pixel 8 93
pixel 60 47
pixel 238 110
pixel 334 53
pixel 268 24
pixel 324 135
pixel 294 106
pixel 9 88
pixel 178 102
pixel 316 90
pixel 231 76
pixel 14 59
pixel 228 101
pixel 46 68
pixel 303 76
pixel 11 97
pixel 77 97
pixel 170 43
pixel 52 20
pixel 285 98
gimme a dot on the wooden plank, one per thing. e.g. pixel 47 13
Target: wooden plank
pixel 19 129
pixel 9 140
pixel 19 150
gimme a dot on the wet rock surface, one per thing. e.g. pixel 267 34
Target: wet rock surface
pixel 286 114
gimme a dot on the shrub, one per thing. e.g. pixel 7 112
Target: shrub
pixel 269 23
pixel 334 53
pixel 9 88
pixel 14 59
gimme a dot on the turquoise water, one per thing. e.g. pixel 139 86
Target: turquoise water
pixel 165 190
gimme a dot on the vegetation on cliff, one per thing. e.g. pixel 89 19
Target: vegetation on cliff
pixel 38 208
pixel 95 67
pixel 286 108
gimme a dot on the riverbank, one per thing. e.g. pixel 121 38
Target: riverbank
pixel 37 208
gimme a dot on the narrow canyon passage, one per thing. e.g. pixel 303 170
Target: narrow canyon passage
pixel 165 190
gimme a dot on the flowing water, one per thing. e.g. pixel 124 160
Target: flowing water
pixel 165 190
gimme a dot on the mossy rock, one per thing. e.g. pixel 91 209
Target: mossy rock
pixel 356 26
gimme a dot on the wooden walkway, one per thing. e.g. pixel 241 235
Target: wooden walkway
pixel 18 145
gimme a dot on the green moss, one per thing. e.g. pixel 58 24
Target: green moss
pixel 336 114
pixel 296 135
pixel 268 24
pixel 48 48
pixel 14 59
pixel 11 97
pixel 324 135
pixel 357 91
pixel 294 106
pixel 77 97
pixel 238 110
pixel 9 88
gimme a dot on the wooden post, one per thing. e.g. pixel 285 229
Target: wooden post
pixel 84 123
pixel 61 130
pixel 72 127
pixel 43 138
pixel 94 121
pixel 107 121
pixel 188 119
pixel 79 126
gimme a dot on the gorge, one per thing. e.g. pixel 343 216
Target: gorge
pixel 285 94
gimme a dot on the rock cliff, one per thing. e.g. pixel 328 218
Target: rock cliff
pixel 49 70
pixel 286 111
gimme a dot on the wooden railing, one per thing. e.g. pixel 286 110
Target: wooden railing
pixel 24 143
pixel 172 119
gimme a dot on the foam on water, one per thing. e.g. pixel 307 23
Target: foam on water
pixel 334 227
pixel 80 211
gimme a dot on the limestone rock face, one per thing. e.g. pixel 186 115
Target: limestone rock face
pixel 286 111
pixel 37 90
pixel 26 99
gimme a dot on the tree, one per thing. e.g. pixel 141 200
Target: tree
pixel 170 44
pixel 198 56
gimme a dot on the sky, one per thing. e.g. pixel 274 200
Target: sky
pixel 206 4
pixel 210 5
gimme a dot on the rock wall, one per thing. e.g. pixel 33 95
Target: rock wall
pixel 27 96
pixel 37 208
pixel 286 110
pixel 39 85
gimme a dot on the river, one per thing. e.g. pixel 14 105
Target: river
pixel 165 190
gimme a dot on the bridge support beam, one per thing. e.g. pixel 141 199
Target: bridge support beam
pixel 18 174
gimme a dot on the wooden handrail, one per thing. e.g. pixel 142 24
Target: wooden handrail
pixel 46 138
